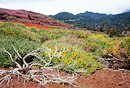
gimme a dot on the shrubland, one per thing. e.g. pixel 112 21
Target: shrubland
pixel 83 48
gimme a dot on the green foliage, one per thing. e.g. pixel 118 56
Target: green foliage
pixel 75 58
pixel 15 34
pixel 118 47
pixel 83 47
pixel 24 46
pixel 81 34
pixel 91 48
pixel 18 30
pixel 39 35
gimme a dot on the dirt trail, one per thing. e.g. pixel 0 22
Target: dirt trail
pixel 106 78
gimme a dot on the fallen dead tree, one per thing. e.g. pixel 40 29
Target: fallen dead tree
pixel 40 75
pixel 115 63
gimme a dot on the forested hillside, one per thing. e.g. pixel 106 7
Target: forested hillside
pixel 92 20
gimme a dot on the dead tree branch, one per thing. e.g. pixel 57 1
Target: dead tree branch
pixel 43 75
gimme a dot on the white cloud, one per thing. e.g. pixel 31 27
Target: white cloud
pixel 73 6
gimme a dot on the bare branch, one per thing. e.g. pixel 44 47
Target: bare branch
pixel 4 50
pixel 17 52
pixel 44 75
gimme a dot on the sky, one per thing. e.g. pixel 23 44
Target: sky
pixel 52 7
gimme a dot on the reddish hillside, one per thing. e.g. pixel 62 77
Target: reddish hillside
pixel 24 16
pixel 32 25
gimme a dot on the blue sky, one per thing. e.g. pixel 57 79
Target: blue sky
pixel 51 7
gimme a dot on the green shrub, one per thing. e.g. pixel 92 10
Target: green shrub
pixel 83 47
pixel 24 46
pixel 118 47
pixel 18 30
pixel 75 55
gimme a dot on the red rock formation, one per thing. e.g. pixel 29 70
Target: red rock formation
pixel 30 17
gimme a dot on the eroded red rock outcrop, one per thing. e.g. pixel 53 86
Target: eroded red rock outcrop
pixel 30 17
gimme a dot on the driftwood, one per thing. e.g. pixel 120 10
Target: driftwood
pixel 40 75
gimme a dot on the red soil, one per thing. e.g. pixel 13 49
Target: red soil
pixel 32 25
pixel 106 78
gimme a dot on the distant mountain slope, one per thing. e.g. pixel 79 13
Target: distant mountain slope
pixel 88 18
pixel 92 15
pixel 118 21
pixel 64 15
pixel 119 18
pixel 31 17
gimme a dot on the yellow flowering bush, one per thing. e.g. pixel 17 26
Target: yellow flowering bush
pixel 75 59
pixel 119 48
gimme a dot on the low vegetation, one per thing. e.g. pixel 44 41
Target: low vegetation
pixel 83 49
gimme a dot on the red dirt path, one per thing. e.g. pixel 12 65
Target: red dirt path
pixel 32 25
pixel 106 78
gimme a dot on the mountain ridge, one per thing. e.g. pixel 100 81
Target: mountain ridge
pixel 118 21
